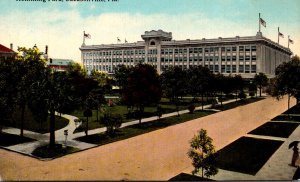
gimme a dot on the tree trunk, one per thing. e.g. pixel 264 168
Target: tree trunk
pixel 260 91
pixel 87 126
pixel 202 101
pixel 22 119
pixel 97 115
pixel 52 128
pixel 221 99
pixel 288 101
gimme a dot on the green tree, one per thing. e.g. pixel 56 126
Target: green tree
pixel 121 76
pixel 198 81
pixel 29 66
pixel 260 80
pixel 203 155
pixel 143 88
pixel 111 122
pixel 287 80
pixel 8 78
pixel 238 85
pixel 174 83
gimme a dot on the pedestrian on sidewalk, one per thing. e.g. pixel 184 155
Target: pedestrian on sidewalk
pixel 295 155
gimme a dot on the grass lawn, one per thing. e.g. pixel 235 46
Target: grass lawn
pixel 167 107
pixel 236 104
pixel 134 130
pixel 188 177
pixel 246 155
pixel 275 129
pixel 57 151
pixel 7 139
pixel 286 118
pixel 31 125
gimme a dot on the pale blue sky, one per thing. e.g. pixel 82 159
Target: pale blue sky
pixel 38 22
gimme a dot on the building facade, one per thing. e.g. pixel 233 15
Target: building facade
pixel 7 53
pixel 59 64
pixel 245 56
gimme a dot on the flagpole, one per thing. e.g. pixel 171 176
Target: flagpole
pixel 83 37
pixel 258 22
pixel 278 35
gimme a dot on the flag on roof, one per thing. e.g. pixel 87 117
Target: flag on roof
pixel 86 35
pixel 263 22
pixel 280 34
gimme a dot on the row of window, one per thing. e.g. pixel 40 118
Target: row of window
pixel 224 68
pixel 170 51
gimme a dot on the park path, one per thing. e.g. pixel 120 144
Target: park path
pixel 158 155
pixel 43 139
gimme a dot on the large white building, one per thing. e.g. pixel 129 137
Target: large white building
pixel 237 55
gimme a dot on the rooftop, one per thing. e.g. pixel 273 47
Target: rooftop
pixel 4 49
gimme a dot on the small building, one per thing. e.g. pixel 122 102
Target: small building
pixel 245 56
pixel 59 64
pixel 6 53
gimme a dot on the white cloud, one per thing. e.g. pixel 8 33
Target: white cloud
pixel 62 31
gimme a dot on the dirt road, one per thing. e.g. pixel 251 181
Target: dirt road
pixel 158 155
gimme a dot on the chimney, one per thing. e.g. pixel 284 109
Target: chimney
pixel 11 46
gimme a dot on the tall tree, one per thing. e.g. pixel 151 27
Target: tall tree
pixel 238 85
pixel 121 76
pixel 174 84
pixel 198 81
pixel 29 66
pixel 260 80
pixel 202 153
pixel 287 80
pixel 143 88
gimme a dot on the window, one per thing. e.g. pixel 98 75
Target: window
pixel 247 68
pixel 233 68
pixel 247 48
pixel 233 49
pixel 223 58
pixel 241 48
pixel 247 58
pixel 223 49
pixel 241 68
pixel 228 49
pixel 228 68
pixel 228 58
pixel 253 48
pixel 253 58
pixel 152 43
pixel 241 58
pixel 216 68
pixel 223 69
pixel 253 68
pixel 233 58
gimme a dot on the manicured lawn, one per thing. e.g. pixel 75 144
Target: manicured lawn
pixel 188 177
pixel 275 129
pixel 32 125
pixel 167 107
pixel 236 104
pixel 134 130
pixel 286 118
pixel 246 155
pixel 57 151
pixel 7 139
